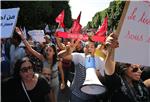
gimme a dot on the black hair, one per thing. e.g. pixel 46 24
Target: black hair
pixel 122 67
pixel 16 36
pixel 54 56
pixel 18 67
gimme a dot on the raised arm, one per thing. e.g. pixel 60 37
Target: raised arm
pixel 60 45
pixel 66 54
pixel 111 43
pixel 35 53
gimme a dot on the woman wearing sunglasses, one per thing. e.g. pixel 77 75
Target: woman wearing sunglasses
pixel 48 58
pixel 25 85
pixel 122 79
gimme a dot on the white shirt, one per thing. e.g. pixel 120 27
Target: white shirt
pixel 80 74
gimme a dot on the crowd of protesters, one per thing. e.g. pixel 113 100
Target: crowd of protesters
pixel 36 72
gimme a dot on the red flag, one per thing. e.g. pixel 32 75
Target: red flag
pixel 76 27
pixel 79 16
pixel 102 30
pixel 98 38
pixel 72 35
pixel 79 36
pixel 60 19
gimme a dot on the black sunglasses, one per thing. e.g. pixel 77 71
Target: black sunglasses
pixel 135 69
pixel 26 69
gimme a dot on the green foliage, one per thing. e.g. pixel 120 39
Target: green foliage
pixel 36 14
pixel 89 25
pixel 113 12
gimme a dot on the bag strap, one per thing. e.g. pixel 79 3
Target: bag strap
pixel 25 91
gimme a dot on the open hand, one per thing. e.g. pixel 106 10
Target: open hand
pixel 112 41
pixel 20 32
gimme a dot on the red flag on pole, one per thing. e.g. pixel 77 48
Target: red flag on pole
pixel 60 19
pixel 79 16
pixel 76 27
pixel 102 30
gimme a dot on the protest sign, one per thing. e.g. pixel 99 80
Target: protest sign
pixel 8 21
pixel 134 34
pixel 37 35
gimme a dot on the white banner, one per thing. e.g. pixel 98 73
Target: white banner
pixel 134 38
pixel 8 21
pixel 37 35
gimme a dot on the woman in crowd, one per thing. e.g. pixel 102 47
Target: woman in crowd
pixel 25 85
pixel 16 52
pixel 126 85
pixel 49 58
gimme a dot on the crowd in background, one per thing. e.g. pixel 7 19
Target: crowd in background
pixel 50 73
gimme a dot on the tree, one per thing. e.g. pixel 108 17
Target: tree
pixel 36 14
pixel 113 12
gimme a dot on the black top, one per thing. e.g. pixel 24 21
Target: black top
pixel 12 91
pixel 117 92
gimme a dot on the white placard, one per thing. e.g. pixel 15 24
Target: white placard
pixel 8 21
pixel 134 38
pixel 37 35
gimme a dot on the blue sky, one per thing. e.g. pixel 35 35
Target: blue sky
pixel 88 8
